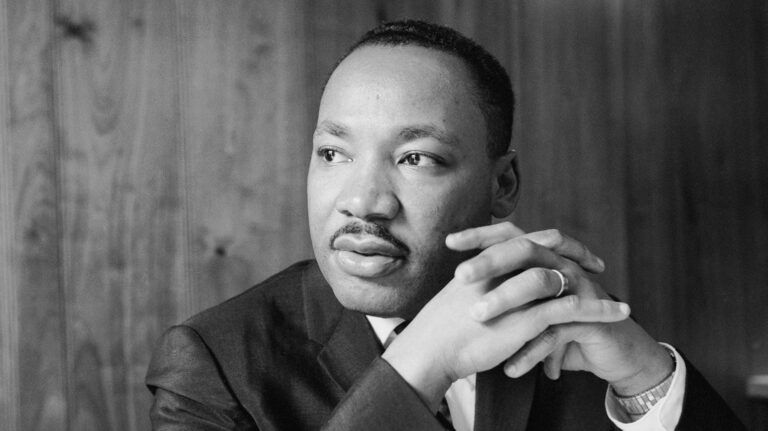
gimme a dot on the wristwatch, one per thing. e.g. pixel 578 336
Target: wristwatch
pixel 640 404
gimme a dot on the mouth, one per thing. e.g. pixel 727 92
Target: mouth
pixel 367 256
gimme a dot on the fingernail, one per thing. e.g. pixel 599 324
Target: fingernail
pixel 551 373
pixel 601 264
pixel 624 308
pixel 479 310
pixel 510 370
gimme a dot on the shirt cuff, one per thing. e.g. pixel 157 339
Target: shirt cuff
pixel 664 415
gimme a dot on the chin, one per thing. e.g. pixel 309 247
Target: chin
pixel 376 300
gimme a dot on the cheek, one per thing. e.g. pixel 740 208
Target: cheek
pixel 320 195
pixel 452 209
pixel 319 207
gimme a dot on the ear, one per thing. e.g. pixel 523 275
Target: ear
pixel 506 185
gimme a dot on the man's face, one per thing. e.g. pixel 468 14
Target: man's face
pixel 399 162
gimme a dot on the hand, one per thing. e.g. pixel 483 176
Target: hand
pixel 621 353
pixel 444 342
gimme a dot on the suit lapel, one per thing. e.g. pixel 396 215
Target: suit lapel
pixel 348 344
pixel 503 403
pixel 350 349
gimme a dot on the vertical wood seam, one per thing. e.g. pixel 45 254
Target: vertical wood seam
pixel 55 56
pixel 181 144
pixel 515 77
pixel 9 328
pixel 626 184
pixel 618 130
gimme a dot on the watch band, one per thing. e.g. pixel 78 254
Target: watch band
pixel 640 404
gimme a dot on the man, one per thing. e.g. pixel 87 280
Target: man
pixel 410 162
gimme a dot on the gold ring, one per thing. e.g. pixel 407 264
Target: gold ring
pixel 563 283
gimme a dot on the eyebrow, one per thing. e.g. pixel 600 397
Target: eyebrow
pixel 406 134
pixel 331 128
pixel 419 131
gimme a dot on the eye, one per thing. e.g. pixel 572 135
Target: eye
pixel 332 156
pixel 419 159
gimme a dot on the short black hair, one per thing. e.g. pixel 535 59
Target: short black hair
pixel 496 99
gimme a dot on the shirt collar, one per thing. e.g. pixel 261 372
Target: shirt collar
pixel 383 326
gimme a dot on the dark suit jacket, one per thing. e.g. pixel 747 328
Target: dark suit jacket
pixel 285 355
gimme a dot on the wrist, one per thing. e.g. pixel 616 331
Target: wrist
pixel 654 372
pixel 425 377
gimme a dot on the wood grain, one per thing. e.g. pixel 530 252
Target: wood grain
pixel 122 202
pixel 568 100
pixel 246 137
pixel 9 332
pixel 696 190
pixel 153 159
pixel 30 164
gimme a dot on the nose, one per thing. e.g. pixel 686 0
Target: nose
pixel 368 194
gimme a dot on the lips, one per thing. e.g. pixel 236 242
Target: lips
pixel 367 245
pixel 367 256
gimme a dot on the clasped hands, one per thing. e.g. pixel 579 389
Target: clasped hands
pixel 500 307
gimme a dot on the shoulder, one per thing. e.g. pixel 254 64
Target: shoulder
pixel 277 300
pixel 264 323
pixel 251 334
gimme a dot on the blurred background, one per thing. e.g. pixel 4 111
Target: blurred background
pixel 153 157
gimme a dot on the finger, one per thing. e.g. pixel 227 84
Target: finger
pixel 539 349
pixel 568 247
pixel 506 257
pixel 554 362
pixel 486 236
pixel 529 285
pixel 482 237
pixel 573 308
pixel 532 322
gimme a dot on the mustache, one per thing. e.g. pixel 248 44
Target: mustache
pixel 369 229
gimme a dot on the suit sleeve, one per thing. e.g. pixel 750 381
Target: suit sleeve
pixel 381 400
pixel 189 389
pixel 703 408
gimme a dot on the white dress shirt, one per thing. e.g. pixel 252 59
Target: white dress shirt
pixel 664 415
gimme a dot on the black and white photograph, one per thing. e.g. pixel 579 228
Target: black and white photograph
pixel 373 215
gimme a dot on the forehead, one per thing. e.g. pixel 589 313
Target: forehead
pixel 401 84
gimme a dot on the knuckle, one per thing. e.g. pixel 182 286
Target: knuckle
pixel 526 246
pixel 479 262
pixel 571 302
pixel 494 297
pixel 490 261
pixel 549 336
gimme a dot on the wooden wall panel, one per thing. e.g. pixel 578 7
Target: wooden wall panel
pixel 9 332
pixel 326 41
pixel 32 301
pixel 568 126
pixel 153 161
pixel 122 196
pixel 247 141
pixel 696 185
